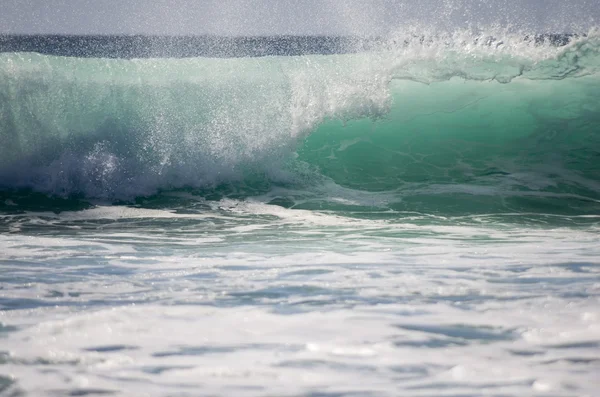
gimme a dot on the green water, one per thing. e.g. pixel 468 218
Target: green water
pixel 464 146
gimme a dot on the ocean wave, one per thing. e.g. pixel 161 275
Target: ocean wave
pixel 458 113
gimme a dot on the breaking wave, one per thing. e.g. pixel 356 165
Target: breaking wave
pixel 456 121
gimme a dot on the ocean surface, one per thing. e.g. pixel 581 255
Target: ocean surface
pixel 300 216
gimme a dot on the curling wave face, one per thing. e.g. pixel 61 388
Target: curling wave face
pixel 457 123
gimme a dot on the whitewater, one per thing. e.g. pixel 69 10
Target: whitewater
pixel 419 216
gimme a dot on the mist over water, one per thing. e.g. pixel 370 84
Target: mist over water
pixel 390 206
pixel 310 17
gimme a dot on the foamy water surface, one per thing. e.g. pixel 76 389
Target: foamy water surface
pixel 247 299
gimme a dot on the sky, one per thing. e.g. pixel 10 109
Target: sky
pixel 267 17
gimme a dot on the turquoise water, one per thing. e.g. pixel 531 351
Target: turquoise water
pixel 420 219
